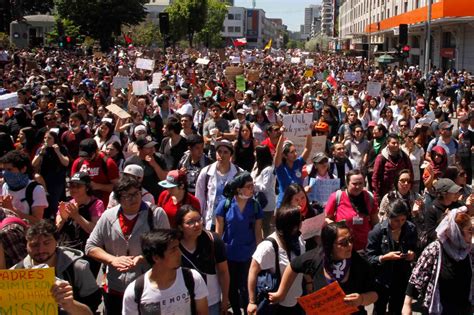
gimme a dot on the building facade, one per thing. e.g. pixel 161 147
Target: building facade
pixel 378 21
pixel 312 20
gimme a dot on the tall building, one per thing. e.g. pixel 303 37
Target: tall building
pixel 378 21
pixel 327 17
pixel 312 17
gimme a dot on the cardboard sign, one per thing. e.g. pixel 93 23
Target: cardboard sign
pixel 202 61
pixel 240 83
pixel 27 291
pixel 322 188
pixel 297 125
pixel 253 75
pixel 221 52
pixel 374 88
pixel 145 64
pixel 8 100
pixel 328 300
pixel 120 82
pixel 117 110
pixel 312 226
pixel 140 87
pixel 156 80
pixel 231 72
pixel 295 59
pixel 352 76
pixel 309 62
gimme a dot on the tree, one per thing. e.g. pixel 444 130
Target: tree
pixel 210 34
pixel 101 19
pixel 318 43
pixel 63 28
pixel 187 17
pixel 15 10
pixel 144 34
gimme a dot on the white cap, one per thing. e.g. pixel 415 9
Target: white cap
pixel 133 169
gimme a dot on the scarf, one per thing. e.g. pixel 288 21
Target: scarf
pixel 451 238
pixel 15 181
pixel 378 144
pixel 439 169
pixel 337 270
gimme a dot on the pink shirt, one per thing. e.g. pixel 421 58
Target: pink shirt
pixel 345 211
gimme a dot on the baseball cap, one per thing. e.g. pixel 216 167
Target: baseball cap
pixel 145 142
pixel 87 147
pixel 319 157
pixel 283 104
pixel 241 111
pixel 173 179
pixel 225 143
pixel 134 169
pixel 446 185
pixel 80 178
pixel 445 125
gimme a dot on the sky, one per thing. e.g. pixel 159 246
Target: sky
pixel 291 11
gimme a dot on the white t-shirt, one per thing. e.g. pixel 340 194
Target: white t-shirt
pixel 39 198
pixel 172 301
pixel 187 108
pixel 264 255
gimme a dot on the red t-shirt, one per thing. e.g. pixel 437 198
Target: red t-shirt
pixel 96 171
pixel 270 145
pixel 165 201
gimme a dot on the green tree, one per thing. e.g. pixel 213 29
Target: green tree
pixel 187 17
pixel 210 35
pixel 101 19
pixel 144 34
pixel 69 29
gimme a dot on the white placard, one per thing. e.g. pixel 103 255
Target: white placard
pixel 235 59
pixel 320 76
pixel 121 82
pixel 156 80
pixel 8 100
pixel 146 64
pixel 309 62
pixel 374 88
pixel 140 87
pixel 322 188
pixel 312 226
pixel 295 59
pixel 352 76
pixel 297 125
pixel 455 122
pixel 202 61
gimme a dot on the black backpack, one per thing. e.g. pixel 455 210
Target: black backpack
pixel 188 281
pixel 29 193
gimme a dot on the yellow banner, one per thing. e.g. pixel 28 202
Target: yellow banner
pixel 27 291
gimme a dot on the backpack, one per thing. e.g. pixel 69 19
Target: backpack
pixel 151 212
pixel 339 195
pixel 188 282
pixel 104 165
pixel 268 281
pixel 29 193
pixel 228 201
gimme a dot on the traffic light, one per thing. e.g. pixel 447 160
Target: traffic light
pixel 405 51
pixel 61 41
pixel 68 39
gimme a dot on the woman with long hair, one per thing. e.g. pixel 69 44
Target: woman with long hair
pixel 334 261
pixel 376 145
pixel 458 175
pixel 205 252
pixel 264 178
pixel 114 151
pixel 416 155
pixel 463 108
pixel 27 141
pixel 105 135
pixel 387 119
pixel 259 126
pixel 244 148
pixel 290 245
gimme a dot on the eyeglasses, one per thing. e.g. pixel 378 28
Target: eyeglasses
pixel 128 197
pixel 193 222
pixel 405 181
pixel 345 242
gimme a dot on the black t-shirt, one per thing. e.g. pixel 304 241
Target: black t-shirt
pixel 206 255
pixel 150 179
pixel 51 168
pixel 172 154
pixel 361 277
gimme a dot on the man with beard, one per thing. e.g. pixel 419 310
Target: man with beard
pixel 43 250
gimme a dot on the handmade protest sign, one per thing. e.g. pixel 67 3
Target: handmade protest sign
pixel 328 300
pixel 231 72
pixel 156 80
pixel 308 73
pixel 295 59
pixel 208 93
pixel 352 76
pixel 318 144
pixel 235 59
pixel 8 100
pixel 115 109
pixel 297 125
pixel 202 61
pixel 145 64
pixel 27 291
pixel 309 62
pixel 240 83
pixel 374 88
pixel 140 87
pixel 253 75
pixel 322 188
pixel 120 82
pixel 312 226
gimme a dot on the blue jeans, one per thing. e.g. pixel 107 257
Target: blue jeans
pixel 215 309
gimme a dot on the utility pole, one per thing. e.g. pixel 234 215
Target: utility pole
pixel 428 41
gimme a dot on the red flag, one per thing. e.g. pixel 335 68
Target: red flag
pixel 240 42
pixel 330 79
pixel 127 39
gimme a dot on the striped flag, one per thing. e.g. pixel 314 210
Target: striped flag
pixel 240 42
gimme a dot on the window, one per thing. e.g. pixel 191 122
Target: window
pixel 417 4
pixel 406 7
pixel 237 17
pixel 396 10
pixel 237 29
pixel 230 16
pixel 223 29
pixel 388 13
pixel 230 29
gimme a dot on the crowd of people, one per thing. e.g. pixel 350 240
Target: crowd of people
pixel 182 198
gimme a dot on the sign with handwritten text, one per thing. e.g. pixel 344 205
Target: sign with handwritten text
pixel 328 300
pixel 27 291
pixel 322 188
pixel 297 125
pixel 8 100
